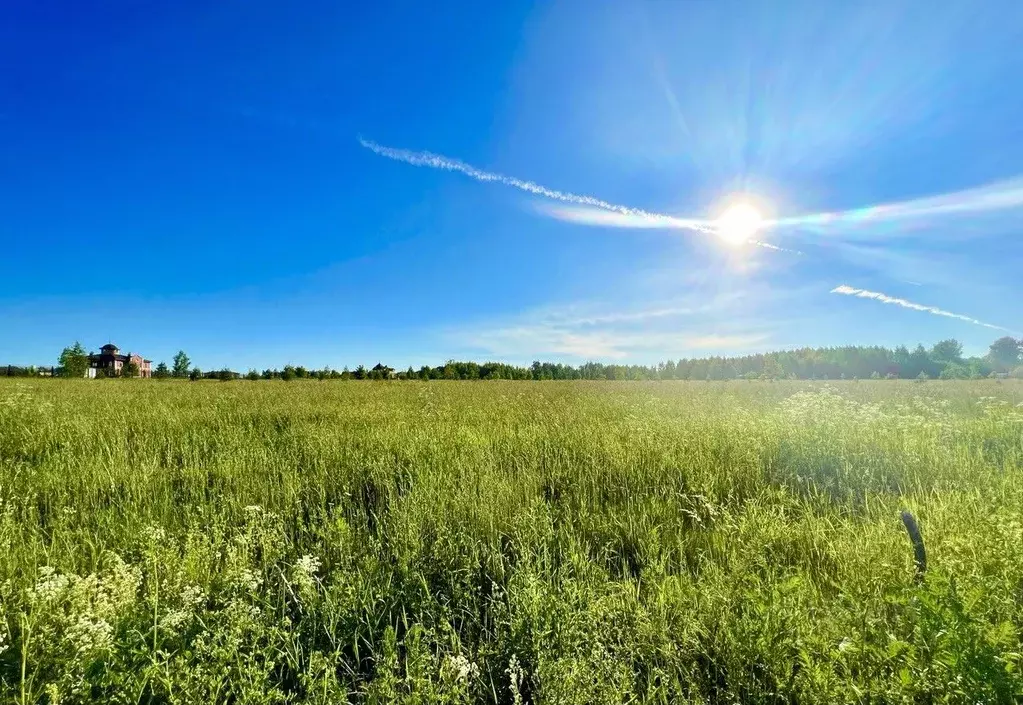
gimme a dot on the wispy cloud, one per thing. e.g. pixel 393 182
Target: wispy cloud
pixel 902 217
pixel 885 299
pixel 637 215
pixel 588 332
pixel 997 196
pixel 532 340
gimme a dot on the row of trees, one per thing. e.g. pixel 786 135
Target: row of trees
pixel 943 360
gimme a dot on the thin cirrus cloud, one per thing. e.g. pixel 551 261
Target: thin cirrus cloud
pixel 997 196
pixel 899 216
pixel 588 210
pixel 527 340
pixel 594 216
pixel 895 301
pixel 639 216
pixel 583 332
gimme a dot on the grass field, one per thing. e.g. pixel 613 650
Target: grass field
pixel 270 542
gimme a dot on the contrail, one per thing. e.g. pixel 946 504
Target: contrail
pixel 637 215
pixel 885 299
pixel 1000 195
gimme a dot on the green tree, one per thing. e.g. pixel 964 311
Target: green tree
pixel 181 363
pixel 74 362
pixel 161 372
pixel 195 375
pixel 947 351
pixel 130 370
pixel 955 370
pixel 288 373
pixel 252 376
pixel 1004 353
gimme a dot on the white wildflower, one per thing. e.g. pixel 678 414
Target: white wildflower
pixel 154 535
pixel 90 635
pixel 304 575
pixel 49 587
pixel 174 619
pixel 308 564
pixel 516 678
pixel 192 597
pixel 462 668
pixel 250 579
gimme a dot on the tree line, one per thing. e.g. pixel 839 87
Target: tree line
pixel 943 360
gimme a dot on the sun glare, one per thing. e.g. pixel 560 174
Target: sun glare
pixel 738 223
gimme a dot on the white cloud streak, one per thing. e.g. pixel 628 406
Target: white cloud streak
pixel 1000 195
pixel 588 331
pixel 639 216
pixel 588 210
pixel 532 340
pixel 885 299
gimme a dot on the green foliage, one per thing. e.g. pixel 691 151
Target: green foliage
pixel 850 362
pixel 129 370
pixel 195 375
pixel 161 371
pixel 181 365
pixel 74 361
pixel 955 370
pixel 1004 353
pixel 543 543
pixel 947 351
pixel 252 376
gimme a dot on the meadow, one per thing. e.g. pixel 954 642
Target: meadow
pixel 509 542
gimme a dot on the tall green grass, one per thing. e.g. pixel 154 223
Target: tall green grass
pixel 509 542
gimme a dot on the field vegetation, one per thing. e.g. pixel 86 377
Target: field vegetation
pixel 509 542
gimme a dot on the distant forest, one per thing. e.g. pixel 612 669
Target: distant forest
pixel 944 360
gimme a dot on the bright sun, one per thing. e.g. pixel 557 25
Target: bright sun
pixel 738 223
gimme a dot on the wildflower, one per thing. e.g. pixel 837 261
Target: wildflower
pixel 463 669
pixel 250 579
pixel 253 509
pixel 516 678
pixel 50 586
pixel 154 535
pixel 304 575
pixel 192 597
pixel 308 565
pixel 90 635
pixel 174 619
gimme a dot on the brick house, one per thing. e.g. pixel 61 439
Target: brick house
pixel 110 360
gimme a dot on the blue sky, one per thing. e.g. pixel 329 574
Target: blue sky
pixel 190 175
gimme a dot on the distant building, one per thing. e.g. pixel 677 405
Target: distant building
pixel 112 362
